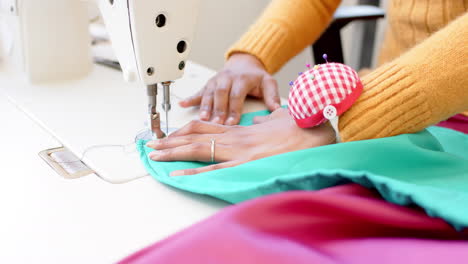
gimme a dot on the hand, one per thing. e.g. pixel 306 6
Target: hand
pixel 223 97
pixel 272 135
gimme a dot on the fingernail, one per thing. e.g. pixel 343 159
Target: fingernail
pixel 154 155
pixel 231 121
pixel 204 115
pixel 152 144
pixel 216 120
pixel 277 106
pixel 177 173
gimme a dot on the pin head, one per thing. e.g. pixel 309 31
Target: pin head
pixel 308 66
pixel 325 57
pixel 291 83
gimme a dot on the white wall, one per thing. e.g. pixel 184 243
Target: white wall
pixel 222 22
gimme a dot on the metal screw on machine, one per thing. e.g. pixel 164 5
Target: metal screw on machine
pixel 182 65
pixel 150 71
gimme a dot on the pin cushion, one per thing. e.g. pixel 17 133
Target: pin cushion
pixel 323 93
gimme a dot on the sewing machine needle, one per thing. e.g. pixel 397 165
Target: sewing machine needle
pixel 167 123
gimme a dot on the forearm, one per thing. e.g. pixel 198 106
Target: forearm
pixel 426 85
pixel 285 29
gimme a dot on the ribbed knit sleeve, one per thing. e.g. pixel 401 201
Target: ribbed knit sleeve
pixel 425 85
pixel 285 29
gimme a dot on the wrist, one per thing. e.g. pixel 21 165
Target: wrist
pixel 328 133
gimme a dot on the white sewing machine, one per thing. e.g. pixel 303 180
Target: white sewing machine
pixel 49 40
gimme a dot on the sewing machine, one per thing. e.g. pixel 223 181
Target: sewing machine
pixel 151 40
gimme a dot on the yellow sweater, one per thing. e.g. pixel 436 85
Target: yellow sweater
pixel 423 74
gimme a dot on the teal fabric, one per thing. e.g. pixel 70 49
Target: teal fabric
pixel 429 169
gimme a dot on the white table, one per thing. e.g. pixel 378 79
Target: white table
pixel 47 219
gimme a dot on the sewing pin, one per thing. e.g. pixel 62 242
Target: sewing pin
pixel 325 57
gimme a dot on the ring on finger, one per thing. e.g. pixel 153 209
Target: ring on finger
pixel 213 148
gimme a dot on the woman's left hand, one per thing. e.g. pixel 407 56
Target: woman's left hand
pixel 271 135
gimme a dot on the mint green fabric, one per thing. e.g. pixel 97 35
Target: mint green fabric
pixel 429 169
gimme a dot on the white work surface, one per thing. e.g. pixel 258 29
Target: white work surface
pixel 47 219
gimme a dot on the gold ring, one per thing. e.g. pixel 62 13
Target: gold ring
pixel 213 143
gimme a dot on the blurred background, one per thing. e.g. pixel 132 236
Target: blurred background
pixel 222 22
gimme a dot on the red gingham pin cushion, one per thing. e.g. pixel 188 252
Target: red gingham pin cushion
pixel 323 93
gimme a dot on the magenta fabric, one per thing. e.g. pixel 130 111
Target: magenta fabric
pixel 344 224
pixel 458 122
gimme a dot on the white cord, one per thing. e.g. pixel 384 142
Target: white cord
pixel 121 181
pixel 128 148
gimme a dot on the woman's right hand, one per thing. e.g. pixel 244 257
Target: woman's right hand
pixel 223 97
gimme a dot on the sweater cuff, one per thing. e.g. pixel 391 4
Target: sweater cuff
pixel 264 41
pixel 389 103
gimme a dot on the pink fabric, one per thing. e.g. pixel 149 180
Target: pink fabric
pixel 344 224
pixel 458 122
